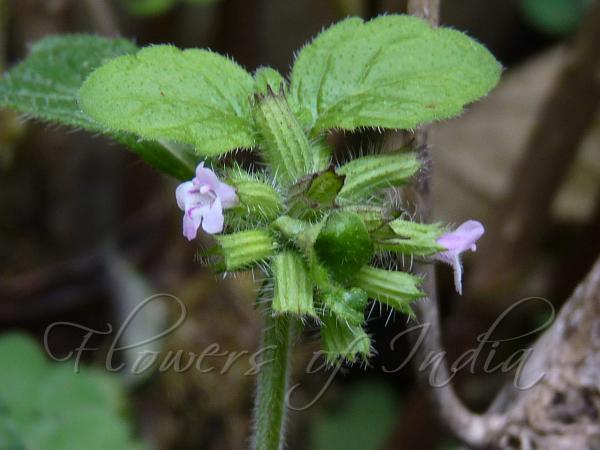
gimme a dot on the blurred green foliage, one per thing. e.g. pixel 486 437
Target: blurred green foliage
pixel 46 406
pixel 158 7
pixel 363 423
pixel 555 17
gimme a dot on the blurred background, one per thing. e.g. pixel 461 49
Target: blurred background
pixel 87 232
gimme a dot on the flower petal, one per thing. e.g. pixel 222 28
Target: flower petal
pixel 192 219
pixel 182 193
pixel 213 220
pixel 463 238
pixel 206 177
pixel 457 266
pixel 227 195
pixel 458 241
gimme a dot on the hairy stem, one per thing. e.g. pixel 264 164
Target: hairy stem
pixel 270 410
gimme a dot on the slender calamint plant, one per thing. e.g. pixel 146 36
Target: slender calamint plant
pixel 313 228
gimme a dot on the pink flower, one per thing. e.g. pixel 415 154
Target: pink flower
pixel 202 201
pixel 457 242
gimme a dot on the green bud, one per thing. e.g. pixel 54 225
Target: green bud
pixel 344 245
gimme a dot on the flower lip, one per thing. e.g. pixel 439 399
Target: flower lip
pixel 203 199
pixel 455 242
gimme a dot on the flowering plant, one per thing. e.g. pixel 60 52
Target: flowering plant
pixel 317 230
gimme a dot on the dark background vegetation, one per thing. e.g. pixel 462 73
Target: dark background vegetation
pixel 74 207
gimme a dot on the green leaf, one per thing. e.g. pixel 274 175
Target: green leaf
pixel 293 287
pixel 555 17
pixel 64 392
pixel 10 438
pixel 46 85
pixel 195 97
pixel 396 289
pixel 364 420
pixel 392 72
pixel 91 428
pixel 51 407
pixel 243 249
pixel 174 159
pixel 24 368
pixel 342 340
pixel 367 175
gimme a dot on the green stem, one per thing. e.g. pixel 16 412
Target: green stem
pixel 270 410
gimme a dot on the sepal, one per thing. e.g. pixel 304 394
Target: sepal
pixel 367 175
pixel 293 286
pixel 312 196
pixel 241 250
pixel 259 200
pixel 283 141
pixel 396 289
pixel 341 340
pixel 348 306
pixel 411 238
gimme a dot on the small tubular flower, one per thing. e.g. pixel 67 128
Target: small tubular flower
pixel 202 200
pixel 457 242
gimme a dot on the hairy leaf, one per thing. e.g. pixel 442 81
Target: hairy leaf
pixel 45 87
pixel 195 97
pixel 391 72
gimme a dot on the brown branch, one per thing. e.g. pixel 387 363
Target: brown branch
pixel 560 412
pixel 103 17
pixel 563 122
pixel 472 429
pixel 427 9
